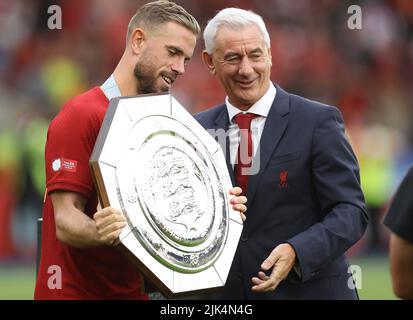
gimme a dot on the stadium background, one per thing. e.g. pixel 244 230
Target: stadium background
pixel 367 73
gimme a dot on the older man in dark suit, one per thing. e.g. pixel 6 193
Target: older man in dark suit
pixel 297 169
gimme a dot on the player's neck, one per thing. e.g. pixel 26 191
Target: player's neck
pixel 124 78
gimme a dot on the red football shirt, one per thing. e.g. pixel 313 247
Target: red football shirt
pixel 66 272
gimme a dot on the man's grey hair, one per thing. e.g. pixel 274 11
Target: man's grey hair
pixel 233 18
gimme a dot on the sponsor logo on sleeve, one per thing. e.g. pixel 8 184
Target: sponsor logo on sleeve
pixel 63 164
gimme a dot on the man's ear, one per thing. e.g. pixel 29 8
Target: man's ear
pixel 270 56
pixel 137 39
pixel 207 58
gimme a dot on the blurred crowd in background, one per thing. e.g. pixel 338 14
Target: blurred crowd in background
pixel 367 73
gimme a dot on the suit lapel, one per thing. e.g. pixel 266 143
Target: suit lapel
pixel 221 123
pixel 274 128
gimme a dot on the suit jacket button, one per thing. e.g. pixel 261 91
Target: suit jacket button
pixel 244 237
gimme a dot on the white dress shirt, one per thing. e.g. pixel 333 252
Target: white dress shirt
pixel 261 108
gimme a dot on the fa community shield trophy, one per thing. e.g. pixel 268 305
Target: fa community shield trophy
pixel 168 176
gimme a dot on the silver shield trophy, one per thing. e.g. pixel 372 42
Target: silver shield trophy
pixel 156 164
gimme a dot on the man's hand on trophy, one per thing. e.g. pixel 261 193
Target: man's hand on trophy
pixel 109 224
pixel 238 202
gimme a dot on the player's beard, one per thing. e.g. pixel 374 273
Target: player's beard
pixel 146 77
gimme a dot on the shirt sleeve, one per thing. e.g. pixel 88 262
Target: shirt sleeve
pixel 399 218
pixel 70 141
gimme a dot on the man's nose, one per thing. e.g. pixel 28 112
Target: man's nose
pixel 245 67
pixel 179 66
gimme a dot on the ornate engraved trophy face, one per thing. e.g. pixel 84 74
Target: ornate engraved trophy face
pixel 156 164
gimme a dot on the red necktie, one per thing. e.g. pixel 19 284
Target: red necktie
pixel 245 150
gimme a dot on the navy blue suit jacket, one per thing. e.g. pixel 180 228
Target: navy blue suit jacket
pixel 306 193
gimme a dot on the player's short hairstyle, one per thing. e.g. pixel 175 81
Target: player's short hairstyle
pixel 234 18
pixel 153 14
